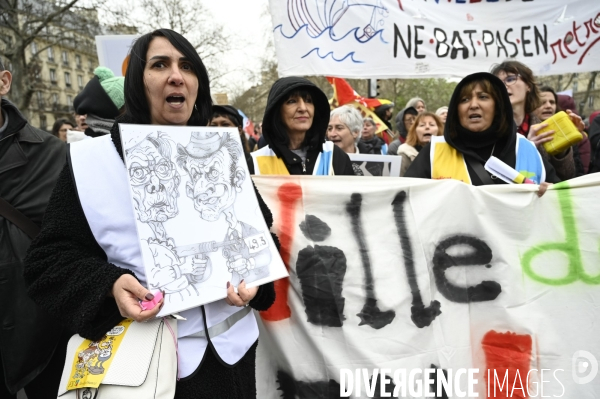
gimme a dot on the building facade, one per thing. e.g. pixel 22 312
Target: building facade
pixel 578 83
pixel 60 60
pixel 64 70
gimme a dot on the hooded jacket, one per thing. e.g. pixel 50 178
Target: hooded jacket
pixel 30 162
pixel 504 148
pixel 402 132
pixel 275 135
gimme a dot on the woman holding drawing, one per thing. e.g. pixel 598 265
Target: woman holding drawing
pixel 479 125
pixel 294 127
pixel 73 265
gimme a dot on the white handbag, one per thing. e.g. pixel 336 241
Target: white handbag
pixel 143 367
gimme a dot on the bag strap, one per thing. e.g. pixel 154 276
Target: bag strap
pixel 479 170
pixel 14 216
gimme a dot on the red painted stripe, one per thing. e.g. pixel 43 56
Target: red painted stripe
pixel 289 194
pixel 506 351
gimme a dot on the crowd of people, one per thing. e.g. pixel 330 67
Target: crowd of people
pixel 56 264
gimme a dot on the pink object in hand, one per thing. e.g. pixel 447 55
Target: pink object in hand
pixel 149 305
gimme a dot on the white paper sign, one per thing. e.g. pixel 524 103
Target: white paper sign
pixel 113 51
pixel 196 211
pixel 433 38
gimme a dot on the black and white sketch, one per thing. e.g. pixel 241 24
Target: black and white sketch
pixel 188 186
pixel 211 161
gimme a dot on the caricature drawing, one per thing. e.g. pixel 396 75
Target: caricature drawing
pixel 211 161
pixel 193 242
pixel 155 181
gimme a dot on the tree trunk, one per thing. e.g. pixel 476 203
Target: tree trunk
pixel 20 92
pixel 587 92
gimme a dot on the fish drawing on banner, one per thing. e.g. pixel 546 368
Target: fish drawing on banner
pixel 336 20
pixel 433 38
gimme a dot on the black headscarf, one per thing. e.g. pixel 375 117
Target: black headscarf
pixel 274 132
pixel 480 144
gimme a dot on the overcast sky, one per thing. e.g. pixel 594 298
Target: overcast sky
pixel 250 26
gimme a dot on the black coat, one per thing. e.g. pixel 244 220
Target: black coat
pixel 70 277
pixel 30 161
pixel 372 146
pixel 504 149
pixel 275 136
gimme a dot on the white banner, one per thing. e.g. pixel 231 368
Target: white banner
pixel 435 38
pixel 394 275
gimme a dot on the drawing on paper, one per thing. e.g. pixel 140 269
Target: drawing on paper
pixel 198 219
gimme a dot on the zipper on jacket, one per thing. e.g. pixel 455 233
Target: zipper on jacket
pixel 304 167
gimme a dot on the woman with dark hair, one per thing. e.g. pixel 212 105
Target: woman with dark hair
pixel 525 99
pixel 420 133
pixel 479 125
pixel 81 266
pixel 60 127
pixel 549 103
pixel 294 128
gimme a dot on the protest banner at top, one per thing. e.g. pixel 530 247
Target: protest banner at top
pixel 436 38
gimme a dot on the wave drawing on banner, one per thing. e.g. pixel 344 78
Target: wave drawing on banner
pixel 339 20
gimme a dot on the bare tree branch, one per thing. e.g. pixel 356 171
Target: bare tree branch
pixel 49 19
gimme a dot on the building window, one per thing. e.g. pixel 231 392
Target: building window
pixel 90 66
pixel 69 101
pixel 591 102
pixel 574 87
pixel 593 86
pixel 34 48
pixel 65 58
pixel 54 98
pixel 80 81
pixel 43 122
pixel 78 61
pixel 67 79
pixel 53 76
pixel 50 54
pixel 40 100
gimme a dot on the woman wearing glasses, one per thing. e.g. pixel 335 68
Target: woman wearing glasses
pixel 525 99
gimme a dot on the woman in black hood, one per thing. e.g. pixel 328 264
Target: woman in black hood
pixel 480 125
pixel 294 127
